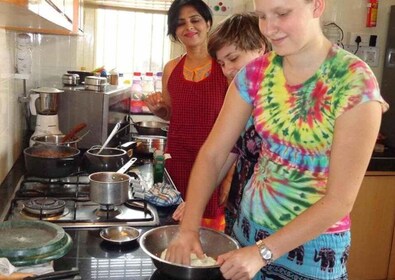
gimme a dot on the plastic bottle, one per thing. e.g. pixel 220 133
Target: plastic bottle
pixel 158 82
pixel 148 88
pixel 136 91
pixel 148 84
pixel 114 77
pixel 159 161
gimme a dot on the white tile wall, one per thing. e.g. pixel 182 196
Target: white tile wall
pixel 10 111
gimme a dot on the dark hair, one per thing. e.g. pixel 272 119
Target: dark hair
pixel 241 30
pixel 174 12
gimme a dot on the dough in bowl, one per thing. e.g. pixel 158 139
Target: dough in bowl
pixel 195 261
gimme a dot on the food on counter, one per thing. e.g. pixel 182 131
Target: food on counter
pixel 52 154
pixel 195 261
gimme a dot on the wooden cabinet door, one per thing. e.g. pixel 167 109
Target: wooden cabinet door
pixel 372 228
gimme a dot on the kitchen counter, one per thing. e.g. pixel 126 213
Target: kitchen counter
pixel 99 259
pixel 94 257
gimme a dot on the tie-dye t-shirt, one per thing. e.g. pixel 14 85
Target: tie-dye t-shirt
pixel 296 124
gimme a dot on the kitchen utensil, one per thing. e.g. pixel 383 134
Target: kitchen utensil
pixel 54 139
pixel 151 128
pixel 44 258
pixel 109 188
pixel 70 79
pixel 120 234
pixel 29 242
pixel 50 161
pixel 46 102
pixel 126 167
pixel 113 132
pixel 61 274
pixel 214 243
pixel 82 74
pixel 71 134
pixel 95 81
pixel 147 144
pixel 110 159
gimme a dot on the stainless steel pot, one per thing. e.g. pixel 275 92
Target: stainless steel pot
pixel 95 83
pixel 147 144
pixel 55 139
pixel 109 188
pixel 70 79
pixel 45 101
pixel 110 159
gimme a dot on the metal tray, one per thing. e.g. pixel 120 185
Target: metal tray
pixel 120 234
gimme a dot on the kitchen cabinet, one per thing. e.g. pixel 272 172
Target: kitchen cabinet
pixel 372 254
pixel 41 16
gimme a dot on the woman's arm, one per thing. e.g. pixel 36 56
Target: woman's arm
pixel 354 137
pixel 205 172
pixel 160 103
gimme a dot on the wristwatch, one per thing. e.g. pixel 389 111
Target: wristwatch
pixel 265 252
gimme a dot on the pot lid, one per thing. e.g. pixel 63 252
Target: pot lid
pixel 47 90
pixel 22 240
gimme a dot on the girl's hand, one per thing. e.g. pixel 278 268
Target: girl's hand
pixel 241 264
pixel 181 247
pixel 179 212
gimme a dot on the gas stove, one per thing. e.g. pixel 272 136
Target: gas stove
pixel 66 202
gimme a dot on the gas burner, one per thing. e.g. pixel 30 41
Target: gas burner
pixel 107 211
pixel 44 206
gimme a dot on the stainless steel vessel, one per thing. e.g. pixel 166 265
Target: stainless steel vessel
pixel 99 110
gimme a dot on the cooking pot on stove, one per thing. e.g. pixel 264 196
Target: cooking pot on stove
pixel 109 188
pixel 109 159
pixel 147 144
pixel 51 161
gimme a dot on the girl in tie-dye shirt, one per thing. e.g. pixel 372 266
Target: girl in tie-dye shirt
pixel 317 109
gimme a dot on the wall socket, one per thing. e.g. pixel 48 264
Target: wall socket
pixel 365 38
pixel 368 54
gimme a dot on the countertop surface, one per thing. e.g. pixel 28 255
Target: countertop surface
pixel 94 257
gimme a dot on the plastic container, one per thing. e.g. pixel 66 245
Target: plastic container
pixel 148 84
pixel 158 82
pixel 148 88
pixel 159 166
pixel 136 91
pixel 114 77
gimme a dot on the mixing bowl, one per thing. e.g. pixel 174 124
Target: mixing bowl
pixel 214 243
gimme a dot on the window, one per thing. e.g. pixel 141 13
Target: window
pixel 132 39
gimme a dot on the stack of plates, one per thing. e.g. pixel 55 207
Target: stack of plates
pixel 32 242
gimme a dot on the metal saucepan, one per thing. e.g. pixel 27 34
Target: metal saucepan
pixel 147 144
pixel 55 140
pixel 51 161
pixel 110 159
pixel 151 128
pixel 110 188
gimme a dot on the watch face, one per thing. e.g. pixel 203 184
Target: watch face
pixel 266 254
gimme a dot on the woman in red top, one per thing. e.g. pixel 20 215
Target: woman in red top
pixel 193 92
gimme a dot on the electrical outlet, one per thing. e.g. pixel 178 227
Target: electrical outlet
pixel 368 54
pixel 364 39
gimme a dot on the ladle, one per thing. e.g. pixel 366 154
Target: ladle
pixel 113 132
